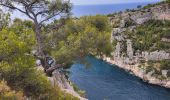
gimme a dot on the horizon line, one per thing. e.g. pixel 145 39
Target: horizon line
pixel 116 3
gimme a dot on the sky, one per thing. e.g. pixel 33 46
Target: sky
pixel 96 2
pixel 90 2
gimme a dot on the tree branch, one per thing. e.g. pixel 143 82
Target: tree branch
pixel 41 12
pixel 27 13
pixel 51 69
pixel 50 17
pixel 12 7
pixel 56 27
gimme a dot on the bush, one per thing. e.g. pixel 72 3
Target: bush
pixel 7 94
pixel 79 91
pixel 148 36
pixel 165 65
pixel 80 37
pixel 17 67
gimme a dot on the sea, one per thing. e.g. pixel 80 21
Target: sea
pixel 86 10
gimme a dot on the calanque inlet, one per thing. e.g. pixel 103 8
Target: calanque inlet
pixel 54 55
pixel 141 46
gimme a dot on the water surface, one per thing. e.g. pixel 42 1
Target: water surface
pixel 103 81
pixel 85 10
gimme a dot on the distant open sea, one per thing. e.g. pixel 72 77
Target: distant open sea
pixel 84 10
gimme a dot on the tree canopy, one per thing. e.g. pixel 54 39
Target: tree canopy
pixel 40 11
pixel 66 40
pixel 80 37
pixel 4 19
pixel 17 64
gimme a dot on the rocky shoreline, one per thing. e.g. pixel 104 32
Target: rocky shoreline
pixel 140 73
pixel 129 55
pixel 60 80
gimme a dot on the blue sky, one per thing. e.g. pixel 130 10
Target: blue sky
pixel 94 2
pixel 90 2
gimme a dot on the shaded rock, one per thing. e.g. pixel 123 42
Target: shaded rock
pixel 59 79
pixel 129 48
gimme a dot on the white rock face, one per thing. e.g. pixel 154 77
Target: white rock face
pixel 145 55
pixel 117 51
pixel 122 23
pixel 161 12
pixel 60 80
pixel 130 61
pixel 156 55
pixel 141 17
pixel 129 49
pixel 164 73
pixel 116 34
pixel 165 39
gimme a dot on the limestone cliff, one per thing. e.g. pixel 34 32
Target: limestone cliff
pixel 58 78
pixel 142 45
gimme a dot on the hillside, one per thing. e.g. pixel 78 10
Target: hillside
pixel 141 40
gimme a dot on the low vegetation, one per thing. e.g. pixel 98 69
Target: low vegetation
pixel 17 64
pixel 152 35
pixel 165 64
pixel 80 37
pixel 77 38
pixel 148 37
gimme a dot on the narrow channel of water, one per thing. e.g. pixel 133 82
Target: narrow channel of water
pixel 103 81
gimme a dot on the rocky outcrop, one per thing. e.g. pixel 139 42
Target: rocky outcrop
pixel 129 49
pixel 145 55
pixel 131 61
pixel 116 34
pixel 165 72
pixel 59 79
pixel 159 12
pixel 140 18
pixel 164 39
pixel 117 51
pixel 139 72
pixel 126 57
pixel 156 55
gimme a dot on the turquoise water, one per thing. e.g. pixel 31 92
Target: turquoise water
pixel 103 81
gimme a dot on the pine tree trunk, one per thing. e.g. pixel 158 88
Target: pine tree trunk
pixel 40 46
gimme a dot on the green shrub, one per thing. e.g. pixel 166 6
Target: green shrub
pixel 148 36
pixel 79 91
pixel 17 66
pixel 7 94
pixel 165 65
pixel 128 23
